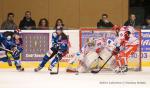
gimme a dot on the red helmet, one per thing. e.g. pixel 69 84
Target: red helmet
pixel 17 31
pixel 127 35
pixel 116 27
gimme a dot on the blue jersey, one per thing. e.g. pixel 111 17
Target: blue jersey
pixel 18 42
pixel 8 44
pixel 60 40
pixel 2 38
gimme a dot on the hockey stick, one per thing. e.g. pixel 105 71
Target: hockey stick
pixel 7 50
pixel 104 63
pixel 102 66
pixel 56 68
pixel 52 55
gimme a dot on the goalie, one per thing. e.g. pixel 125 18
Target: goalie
pixel 117 51
pixel 88 57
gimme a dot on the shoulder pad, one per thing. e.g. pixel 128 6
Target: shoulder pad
pixel 1 35
pixel 54 34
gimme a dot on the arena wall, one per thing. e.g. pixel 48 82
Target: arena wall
pixel 33 60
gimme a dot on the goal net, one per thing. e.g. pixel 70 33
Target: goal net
pixel 134 61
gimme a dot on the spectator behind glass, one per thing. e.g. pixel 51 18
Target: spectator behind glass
pixel 9 23
pixel 104 22
pixel 131 21
pixel 59 24
pixel 27 23
pixel 146 24
pixel 43 24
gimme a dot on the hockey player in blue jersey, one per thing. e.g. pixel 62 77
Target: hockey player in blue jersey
pixel 57 51
pixel 8 44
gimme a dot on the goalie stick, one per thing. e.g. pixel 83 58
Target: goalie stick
pixel 104 63
pixel 102 66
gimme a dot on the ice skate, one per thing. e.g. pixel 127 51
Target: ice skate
pixel 124 69
pixel 117 70
pixel 37 69
pixel 20 69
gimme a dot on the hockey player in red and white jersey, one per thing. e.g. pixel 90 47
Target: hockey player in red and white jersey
pixel 88 55
pixel 127 45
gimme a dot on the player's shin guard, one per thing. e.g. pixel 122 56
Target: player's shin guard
pixel 122 65
pixel 44 61
pixel 9 62
pixel 46 58
pixel 42 64
pixel 118 68
pixel 18 65
pixel 54 62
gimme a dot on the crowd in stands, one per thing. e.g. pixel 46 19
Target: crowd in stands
pixel 9 23
pixel 104 22
pixel 27 23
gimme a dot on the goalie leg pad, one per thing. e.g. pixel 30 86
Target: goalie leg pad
pixel 82 69
pixel 71 70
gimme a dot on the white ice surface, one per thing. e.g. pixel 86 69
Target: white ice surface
pixel 10 78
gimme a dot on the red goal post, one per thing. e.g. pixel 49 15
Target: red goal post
pixel 134 62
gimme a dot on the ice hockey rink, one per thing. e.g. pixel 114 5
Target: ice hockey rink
pixel 10 78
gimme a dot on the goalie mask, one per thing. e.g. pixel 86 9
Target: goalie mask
pixel 90 42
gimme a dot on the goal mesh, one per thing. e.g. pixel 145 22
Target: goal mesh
pixel 134 61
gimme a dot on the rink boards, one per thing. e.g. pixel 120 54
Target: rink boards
pixel 36 44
